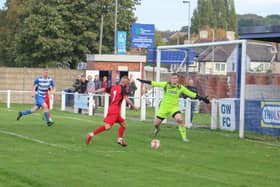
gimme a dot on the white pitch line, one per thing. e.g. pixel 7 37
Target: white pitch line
pixel 35 140
pixel 55 116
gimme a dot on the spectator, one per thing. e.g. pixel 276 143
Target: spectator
pixel 132 89
pixel 97 85
pixel 77 84
pixel 90 89
pixel 83 88
pixel 190 86
pixel 90 85
pixel 104 85
pixel 105 82
pixel 83 84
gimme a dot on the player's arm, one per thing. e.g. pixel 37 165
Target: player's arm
pixel 33 90
pixel 35 87
pixel 128 101
pixel 153 83
pixel 100 90
pixel 52 88
pixel 194 95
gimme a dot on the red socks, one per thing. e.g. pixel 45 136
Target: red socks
pixel 102 128
pixel 121 131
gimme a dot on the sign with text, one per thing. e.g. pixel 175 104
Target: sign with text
pixel 121 43
pixel 227 114
pixel 174 56
pixel 142 35
pixel 270 114
pixel 81 101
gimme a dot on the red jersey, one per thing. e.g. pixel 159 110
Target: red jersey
pixel 117 93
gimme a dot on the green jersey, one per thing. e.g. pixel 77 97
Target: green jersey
pixel 172 92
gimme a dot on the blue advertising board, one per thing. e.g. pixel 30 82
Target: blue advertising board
pixel 263 117
pixel 81 101
pixel 121 43
pixel 176 56
pixel 142 35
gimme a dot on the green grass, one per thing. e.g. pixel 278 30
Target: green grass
pixel 32 154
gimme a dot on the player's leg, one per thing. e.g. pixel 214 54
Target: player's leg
pixel 161 115
pixel 109 121
pixel 157 122
pixel 27 112
pixel 38 102
pixel 182 129
pixel 121 131
pixel 46 114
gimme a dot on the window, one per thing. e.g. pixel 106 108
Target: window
pixel 220 67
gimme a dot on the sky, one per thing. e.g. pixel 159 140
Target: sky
pixel 173 14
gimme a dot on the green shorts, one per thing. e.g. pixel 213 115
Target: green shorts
pixel 164 111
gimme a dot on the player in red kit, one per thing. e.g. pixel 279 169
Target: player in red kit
pixel 117 93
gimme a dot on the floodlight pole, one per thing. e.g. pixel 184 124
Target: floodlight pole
pixel 213 47
pixel 189 34
pixel 116 25
pixel 189 20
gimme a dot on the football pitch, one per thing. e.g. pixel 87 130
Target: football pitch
pixel 32 154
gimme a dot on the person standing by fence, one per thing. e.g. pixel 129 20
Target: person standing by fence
pixel 132 89
pixel 97 85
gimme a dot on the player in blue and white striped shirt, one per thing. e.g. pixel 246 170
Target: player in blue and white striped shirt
pixel 41 87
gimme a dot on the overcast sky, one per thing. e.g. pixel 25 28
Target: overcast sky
pixel 173 14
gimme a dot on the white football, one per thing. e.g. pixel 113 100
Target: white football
pixel 155 144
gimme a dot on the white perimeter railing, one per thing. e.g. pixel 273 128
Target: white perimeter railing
pixel 185 105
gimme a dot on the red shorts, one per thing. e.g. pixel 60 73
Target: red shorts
pixel 113 118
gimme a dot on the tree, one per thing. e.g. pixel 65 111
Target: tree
pixel 215 14
pixel 52 31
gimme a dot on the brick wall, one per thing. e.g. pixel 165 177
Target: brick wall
pixel 218 86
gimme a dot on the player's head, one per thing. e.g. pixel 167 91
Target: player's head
pixel 190 82
pixel 174 78
pixel 124 81
pixel 45 73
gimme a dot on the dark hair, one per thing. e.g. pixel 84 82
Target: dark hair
pixel 175 74
pixel 125 77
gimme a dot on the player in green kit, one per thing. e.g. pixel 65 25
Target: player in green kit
pixel 170 102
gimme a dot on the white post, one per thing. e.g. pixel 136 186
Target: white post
pixel 90 104
pixel 243 88
pixel 76 110
pixel 123 109
pixel 63 100
pixel 9 99
pixel 106 104
pixel 214 113
pixel 157 93
pixel 188 113
pixel 51 101
pixel 143 108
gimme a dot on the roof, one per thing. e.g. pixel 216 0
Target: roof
pixel 257 53
pixel 262 33
pixel 221 53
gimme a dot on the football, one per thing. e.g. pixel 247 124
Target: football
pixel 155 144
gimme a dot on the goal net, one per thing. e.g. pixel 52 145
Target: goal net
pixel 240 77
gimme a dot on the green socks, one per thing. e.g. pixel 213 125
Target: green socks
pixel 183 132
